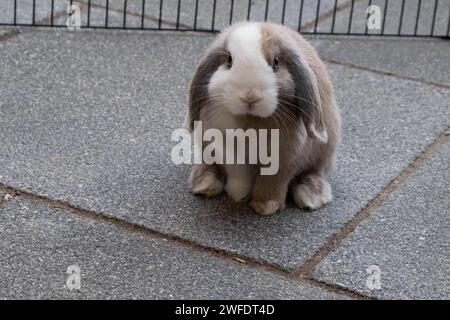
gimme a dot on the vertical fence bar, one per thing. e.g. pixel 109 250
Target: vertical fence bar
pixel 366 29
pixel 106 13
pixel 300 16
pixel 52 12
pixel 249 8
pixel 195 13
pixel 34 13
pixel 213 15
pixel 417 17
pixel 177 27
pixel 231 11
pixel 334 16
pixel 142 14
pixel 89 14
pixel 386 3
pixel 402 11
pixel 350 19
pixel 15 11
pixel 434 17
pixel 317 16
pixel 448 23
pixel 266 13
pixel 160 13
pixel 71 3
pixel 124 14
pixel 283 12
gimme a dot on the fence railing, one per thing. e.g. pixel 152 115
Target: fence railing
pixel 416 18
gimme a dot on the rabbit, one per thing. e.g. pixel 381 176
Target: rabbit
pixel 264 75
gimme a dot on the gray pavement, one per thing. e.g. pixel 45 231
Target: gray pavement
pixel 86 119
pixel 406 57
pixel 39 243
pixel 100 141
pixel 407 238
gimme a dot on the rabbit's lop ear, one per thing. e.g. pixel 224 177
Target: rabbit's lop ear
pixel 198 91
pixel 307 95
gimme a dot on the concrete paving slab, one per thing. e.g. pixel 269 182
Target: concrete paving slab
pixel 39 243
pixel 405 57
pixel 92 127
pixel 407 238
pixel 357 20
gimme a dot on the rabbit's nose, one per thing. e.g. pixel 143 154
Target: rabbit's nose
pixel 250 98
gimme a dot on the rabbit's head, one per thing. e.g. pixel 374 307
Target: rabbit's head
pixel 258 70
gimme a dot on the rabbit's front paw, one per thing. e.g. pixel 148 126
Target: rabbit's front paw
pixel 205 182
pixel 312 193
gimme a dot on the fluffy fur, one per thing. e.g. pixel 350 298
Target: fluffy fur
pixel 274 79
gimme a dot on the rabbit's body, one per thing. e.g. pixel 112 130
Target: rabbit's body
pixel 266 76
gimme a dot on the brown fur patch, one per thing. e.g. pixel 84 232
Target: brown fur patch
pixel 198 94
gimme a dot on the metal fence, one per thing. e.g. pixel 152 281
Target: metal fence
pixel 414 18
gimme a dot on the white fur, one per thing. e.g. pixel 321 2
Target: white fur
pixel 239 181
pixel 250 73
pixel 239 177
pixel 304 197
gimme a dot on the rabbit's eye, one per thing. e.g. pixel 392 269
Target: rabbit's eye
pixel 275 63
pixel 230 61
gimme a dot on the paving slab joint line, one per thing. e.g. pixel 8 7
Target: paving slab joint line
pixel 338 289
pixel 155 235
pixel 387 73
pixel 334 242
